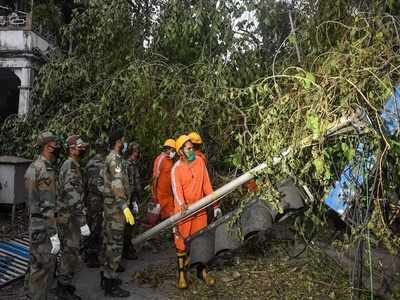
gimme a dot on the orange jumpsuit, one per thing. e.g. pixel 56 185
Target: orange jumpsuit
pixel 202 155
pixel 190 183
pixel 162 189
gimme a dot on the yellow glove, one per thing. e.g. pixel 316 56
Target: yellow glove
pixel 128 216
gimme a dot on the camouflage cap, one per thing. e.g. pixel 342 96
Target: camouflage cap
pixel 75 141
pixel 46 137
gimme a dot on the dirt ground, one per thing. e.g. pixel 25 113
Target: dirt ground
pixel 266 270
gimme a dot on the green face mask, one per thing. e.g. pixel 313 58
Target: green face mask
pixel 190 155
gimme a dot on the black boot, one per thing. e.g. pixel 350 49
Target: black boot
pixel 66 292
pixel 118 281
pixel 112 289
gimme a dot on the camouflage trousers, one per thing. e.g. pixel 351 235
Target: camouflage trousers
pixel 70 258
pixel 42 266
pixel 94 243
pixel 114 223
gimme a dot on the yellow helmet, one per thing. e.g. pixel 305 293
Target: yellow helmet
pixel 181 141
pixel 170 143
pixel 195 138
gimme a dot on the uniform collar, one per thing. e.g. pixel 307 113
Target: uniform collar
pixel 74 161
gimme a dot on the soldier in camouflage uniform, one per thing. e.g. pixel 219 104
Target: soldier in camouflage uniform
pixel 135 192
pixel 41 185
pixel 116 213
pixel 94 182
pixel 71 217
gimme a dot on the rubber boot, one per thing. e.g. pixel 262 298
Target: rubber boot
pixel 203 274
pixel 112 289
pixel 182 281
pixel 119 281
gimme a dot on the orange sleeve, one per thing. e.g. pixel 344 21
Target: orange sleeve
pixel 177 189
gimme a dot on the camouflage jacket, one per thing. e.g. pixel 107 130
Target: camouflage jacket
pixel 41 185
pixel 135 182
pixel 70 200
pixel 94 177
pixel 116 183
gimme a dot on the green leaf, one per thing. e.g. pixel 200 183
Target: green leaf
pixel 313 124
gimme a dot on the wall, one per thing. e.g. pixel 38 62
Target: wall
pixel 19 51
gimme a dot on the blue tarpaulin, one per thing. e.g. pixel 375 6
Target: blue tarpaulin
pixel 14 259
pixel 352 178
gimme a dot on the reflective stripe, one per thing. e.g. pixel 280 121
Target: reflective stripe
pixel 173 180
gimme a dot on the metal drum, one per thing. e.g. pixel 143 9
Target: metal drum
pixel 201 246
pixel 224 239
pixel 292 198
pixel 256 217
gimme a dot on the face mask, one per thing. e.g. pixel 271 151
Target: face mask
pixel 172 154
pixel 189 155
pixel 56 152
pixel 125 149
pixel 82 152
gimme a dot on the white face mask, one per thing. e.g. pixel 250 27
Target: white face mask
pixel 172 154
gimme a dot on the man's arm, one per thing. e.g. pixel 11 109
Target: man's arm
pixel 177 189
pixel 74 193
pixel 116 170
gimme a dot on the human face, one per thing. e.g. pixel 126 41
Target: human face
pixel 188 151
pixel 53 150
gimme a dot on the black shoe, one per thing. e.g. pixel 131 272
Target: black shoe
pixel 117 280
pixel 112 289
pixel 120 269
pixel 92 261
pixel 66 292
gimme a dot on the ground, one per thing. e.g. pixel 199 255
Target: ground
pixel 267 270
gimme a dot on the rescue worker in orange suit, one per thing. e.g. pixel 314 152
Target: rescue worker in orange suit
pixel 162 189
pixel 190 183
pixel 197 141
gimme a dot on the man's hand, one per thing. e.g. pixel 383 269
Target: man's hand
pixel 85 231
pixel 184 208
pixel 55 244
pixel 217 213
